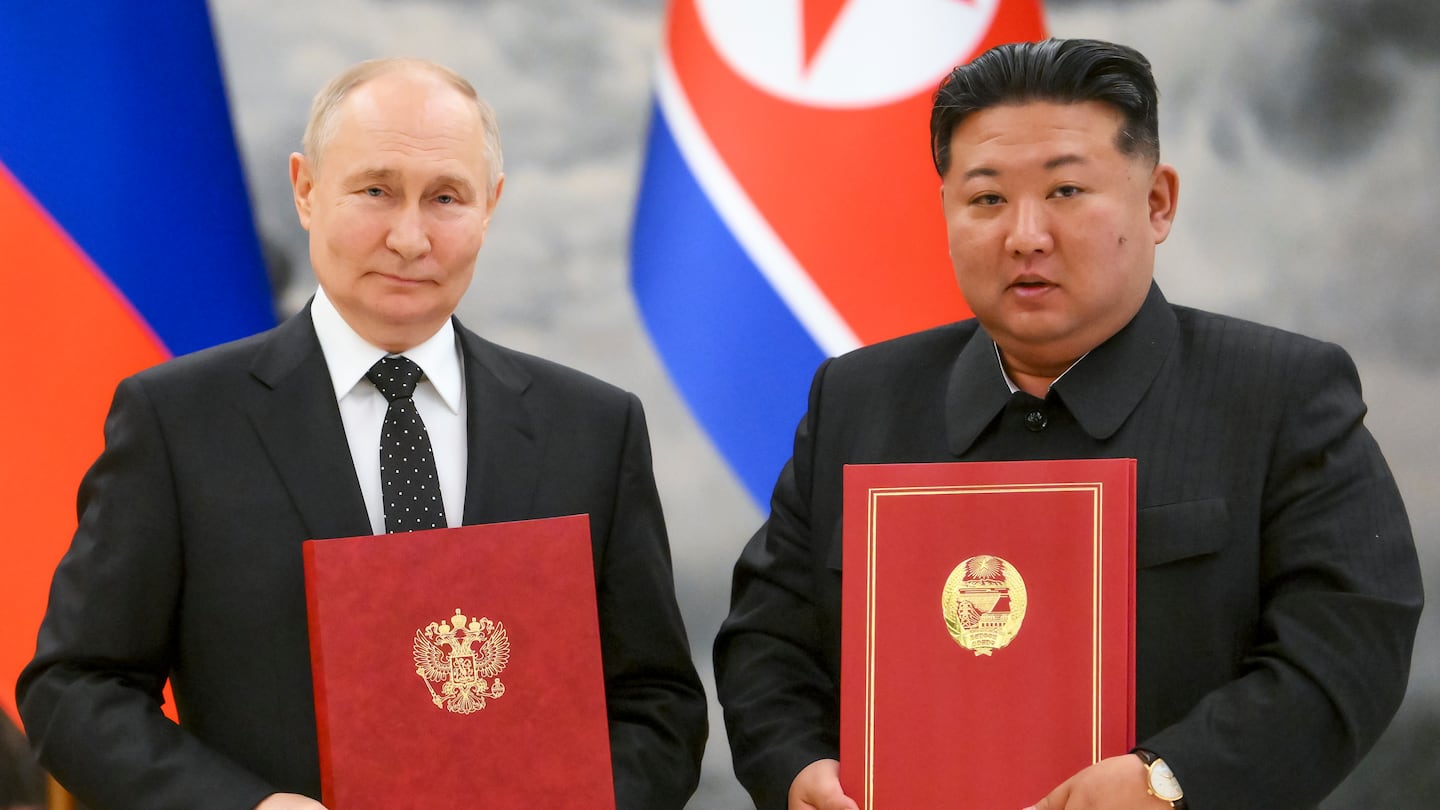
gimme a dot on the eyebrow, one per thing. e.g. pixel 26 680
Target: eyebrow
pixel 376 175
pixel 1064 160
pixel 458 183
pixel 1049 165
pixel 367 175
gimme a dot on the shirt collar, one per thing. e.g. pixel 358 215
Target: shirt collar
pixel 1011 382
pixel 348 356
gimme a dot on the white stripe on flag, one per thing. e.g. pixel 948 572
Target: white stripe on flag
pixel 765 247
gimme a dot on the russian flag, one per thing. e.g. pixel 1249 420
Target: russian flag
pixel 125 238
pixel 788 208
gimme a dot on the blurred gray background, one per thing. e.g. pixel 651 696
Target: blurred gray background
pixel 1305 132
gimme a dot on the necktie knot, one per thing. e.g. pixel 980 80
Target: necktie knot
pixel 395 377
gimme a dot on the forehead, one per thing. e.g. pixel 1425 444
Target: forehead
pixel 1036 132
pixel 410 116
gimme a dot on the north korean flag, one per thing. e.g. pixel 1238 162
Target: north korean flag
pixel 788 209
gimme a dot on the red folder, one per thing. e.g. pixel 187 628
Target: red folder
pixel 987 629
pixel 459 667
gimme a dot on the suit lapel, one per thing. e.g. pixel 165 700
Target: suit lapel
pixel 298 423
pixel 504 459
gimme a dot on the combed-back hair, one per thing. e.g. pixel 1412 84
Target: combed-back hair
pixel 321 126
pixel 1063 71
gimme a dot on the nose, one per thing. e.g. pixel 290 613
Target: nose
pixel 1029 229
pixel 408 235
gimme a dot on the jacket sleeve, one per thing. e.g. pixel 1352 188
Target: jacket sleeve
pixel 1340 598
pixel 91 697
pixel 656 705
pixel 780 697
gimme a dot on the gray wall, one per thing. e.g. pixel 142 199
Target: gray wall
pixel 1304 131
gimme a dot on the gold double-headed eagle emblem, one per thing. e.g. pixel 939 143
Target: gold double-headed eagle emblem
pixel 445 654
pixel 984 604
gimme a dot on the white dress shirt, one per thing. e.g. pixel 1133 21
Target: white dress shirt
pixel 1011 383
pixel 439 397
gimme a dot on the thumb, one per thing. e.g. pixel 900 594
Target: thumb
pixel 1055 801
pixel 836 800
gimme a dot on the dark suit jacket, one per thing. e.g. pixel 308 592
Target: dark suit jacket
pixel 187 564
pixel 1278 587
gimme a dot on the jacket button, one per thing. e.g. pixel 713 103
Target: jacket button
pixel 1035 421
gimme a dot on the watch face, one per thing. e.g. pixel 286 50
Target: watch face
pixel 1163 782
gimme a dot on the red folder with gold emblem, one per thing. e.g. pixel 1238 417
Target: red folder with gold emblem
pixel 987 649
pixel 459 667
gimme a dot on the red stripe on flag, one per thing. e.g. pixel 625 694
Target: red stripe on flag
pixel 880 254
pixel 69 337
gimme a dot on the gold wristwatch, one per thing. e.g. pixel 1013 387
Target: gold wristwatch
pixel 1160 781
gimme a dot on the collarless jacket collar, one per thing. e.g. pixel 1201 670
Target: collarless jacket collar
pixel 1101 391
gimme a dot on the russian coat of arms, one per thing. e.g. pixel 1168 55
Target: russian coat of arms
pixel 445 655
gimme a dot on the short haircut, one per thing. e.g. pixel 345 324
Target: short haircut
pixel 321 126
pixel 1064 71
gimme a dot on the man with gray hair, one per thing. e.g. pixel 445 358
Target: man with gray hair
pixel 186 564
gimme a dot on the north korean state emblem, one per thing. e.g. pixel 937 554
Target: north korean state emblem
pixel 984 604
pixel 445 654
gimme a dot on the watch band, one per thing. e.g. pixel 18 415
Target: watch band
pixel 1146 756
pixel 1150 758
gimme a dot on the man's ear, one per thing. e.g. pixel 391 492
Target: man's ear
pixel 494 198
pixel 302 182
pixel 1164 197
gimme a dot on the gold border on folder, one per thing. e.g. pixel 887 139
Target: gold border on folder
pixel 876 494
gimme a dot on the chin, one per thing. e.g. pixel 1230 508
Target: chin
pixel 407 316
pixel 1037 328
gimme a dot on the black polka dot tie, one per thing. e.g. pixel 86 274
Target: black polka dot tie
pixel 408 480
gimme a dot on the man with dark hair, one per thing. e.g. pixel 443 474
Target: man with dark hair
pixel 1277 587
pixel 1067 71
pixel 217 466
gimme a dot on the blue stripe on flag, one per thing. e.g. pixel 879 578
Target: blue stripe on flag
pixel 113 115
pixel 746 382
